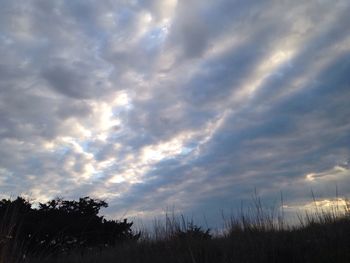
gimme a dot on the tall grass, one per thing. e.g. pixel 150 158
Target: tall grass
pixel 12 249
pixel 256 234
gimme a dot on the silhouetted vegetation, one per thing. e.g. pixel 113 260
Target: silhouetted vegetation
pixel 254 235
pixel 60 225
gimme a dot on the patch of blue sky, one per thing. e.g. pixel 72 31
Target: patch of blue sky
pixel 186 150
pixel 154 39
pixel 97 175
pixel 85 145
pixel 62 151
pixel 116 111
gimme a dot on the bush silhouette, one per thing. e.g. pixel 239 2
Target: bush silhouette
pixel 61 225
pixel 192 232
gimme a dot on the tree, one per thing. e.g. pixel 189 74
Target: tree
pixel 65 224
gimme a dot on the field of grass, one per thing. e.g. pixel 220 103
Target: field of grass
pixel 255 235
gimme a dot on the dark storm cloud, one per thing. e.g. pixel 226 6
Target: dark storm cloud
pixel 152 103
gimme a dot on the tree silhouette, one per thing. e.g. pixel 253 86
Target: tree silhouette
pixel 65 224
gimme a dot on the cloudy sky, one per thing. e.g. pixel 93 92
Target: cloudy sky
pixel 189 104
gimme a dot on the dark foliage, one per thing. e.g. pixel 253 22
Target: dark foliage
pixel 61 225
pixel 251 237
pixel 192 231
pixel 314 243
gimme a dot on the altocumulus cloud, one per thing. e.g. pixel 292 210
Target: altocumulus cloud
pixel 192 104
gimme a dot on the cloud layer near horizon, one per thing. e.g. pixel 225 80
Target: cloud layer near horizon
pixel 193 104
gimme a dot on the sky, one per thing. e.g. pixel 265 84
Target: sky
pixel 184 104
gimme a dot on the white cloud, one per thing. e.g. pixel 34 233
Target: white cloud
pixel 338 172
pixel 172 102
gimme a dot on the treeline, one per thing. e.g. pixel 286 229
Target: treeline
pixel 60 225
pixel 39 234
